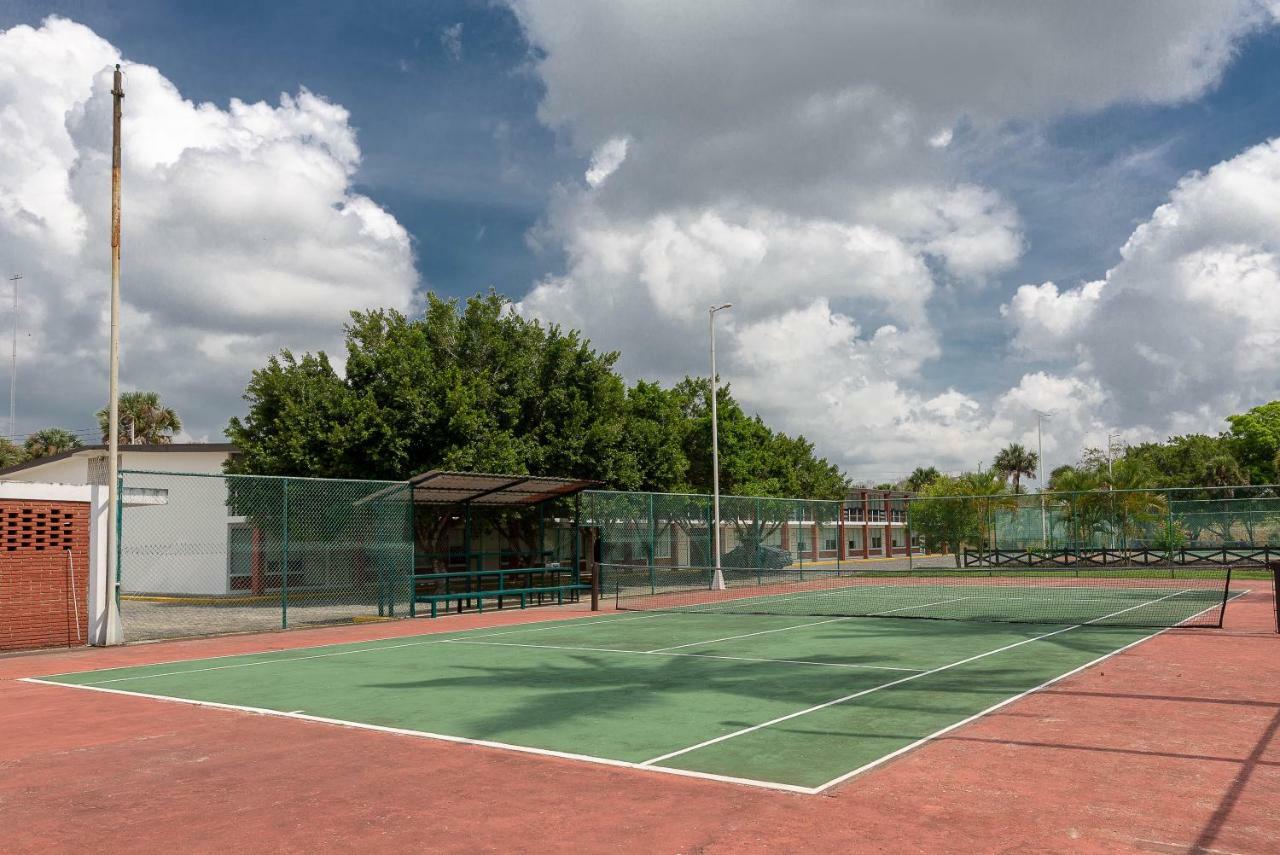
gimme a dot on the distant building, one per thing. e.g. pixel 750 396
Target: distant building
pixel 88 464
pixel 875 525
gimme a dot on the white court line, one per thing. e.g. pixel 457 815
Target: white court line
pixel 431 638
pixel 286 659
pixel 691 655
pixel 771 785
pixel 898 682
pixel 443 737
pixel 943 731
pixel 802 625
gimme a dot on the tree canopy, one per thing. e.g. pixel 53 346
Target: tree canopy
pixel 11 453
pixel 143 420
pixel 51 440
pixel 1014 461
pixel 475 386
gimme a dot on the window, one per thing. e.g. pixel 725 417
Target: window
pixel 662 543
pixel 831 543
pixel 877 541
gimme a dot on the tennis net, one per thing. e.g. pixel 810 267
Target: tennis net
pixel 1140 597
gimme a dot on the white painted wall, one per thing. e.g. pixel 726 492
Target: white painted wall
pixel 180 546
pixel 69 470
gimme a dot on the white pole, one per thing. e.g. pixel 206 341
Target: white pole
pixel 115 632
pixel 13 365
pixel 717 582
pixel 1044 516
pixel 1110 452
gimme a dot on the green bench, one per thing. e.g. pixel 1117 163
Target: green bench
pixel 498 593
pixel 475 589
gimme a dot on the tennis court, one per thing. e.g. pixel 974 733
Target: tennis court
pixel 742 687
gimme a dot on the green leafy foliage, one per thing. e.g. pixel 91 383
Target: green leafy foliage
pixel 477 387
pixel 143 420
pixel 11 454
pixel 52 440
pixel 920 478
pixel 1014 462
pixel 1255 439
pixel 954 512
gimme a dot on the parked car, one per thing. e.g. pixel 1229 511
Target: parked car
pixel 762 556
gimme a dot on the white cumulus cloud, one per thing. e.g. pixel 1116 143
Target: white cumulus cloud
pixel 1186 328
pixel 241 231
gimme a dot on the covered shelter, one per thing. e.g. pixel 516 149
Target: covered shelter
pixel 480 531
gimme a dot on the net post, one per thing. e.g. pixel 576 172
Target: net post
pixel 1275 589
pixel 595 588
pixel 1226 594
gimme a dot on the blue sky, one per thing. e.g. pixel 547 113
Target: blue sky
pixel 889 217
pixel 451 146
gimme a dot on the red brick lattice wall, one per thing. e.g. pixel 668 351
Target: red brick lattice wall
pixel 42 544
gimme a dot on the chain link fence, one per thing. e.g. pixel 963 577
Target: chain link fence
pixel 1153 527
pixel 214 554
pixel 667 539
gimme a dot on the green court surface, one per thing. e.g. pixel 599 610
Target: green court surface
pixel 790 702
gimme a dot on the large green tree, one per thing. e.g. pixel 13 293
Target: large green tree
pixel 954 512
pixel 475 386
pixel 1182 461
pixel 1255 438
pixel 754 459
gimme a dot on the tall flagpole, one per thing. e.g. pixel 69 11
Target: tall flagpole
pixel 115 632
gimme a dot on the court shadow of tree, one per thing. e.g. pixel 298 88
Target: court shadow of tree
pixel 611 689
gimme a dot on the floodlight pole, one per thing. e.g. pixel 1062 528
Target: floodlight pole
pixel 115 632
pixel 1044 516
pixel 1110 448
pixel 717 582
pixel 13 364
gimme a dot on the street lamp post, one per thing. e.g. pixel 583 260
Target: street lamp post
pixel 1111 451
pixel 1044 516
pixel 717 582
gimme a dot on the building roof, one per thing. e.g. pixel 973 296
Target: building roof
pixel 439 487
pixel 95 450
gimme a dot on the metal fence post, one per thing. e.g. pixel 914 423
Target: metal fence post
pixel 653 580
pixel 284 557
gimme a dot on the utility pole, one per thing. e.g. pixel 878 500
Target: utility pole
pixel 1044 516
pixel 13 364
pixel 115 632
pixel 717 582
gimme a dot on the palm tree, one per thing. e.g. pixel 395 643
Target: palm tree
pixel 1014 461
pixel 49 441
pixel 10 453
pixel 921 478
pixel 143 421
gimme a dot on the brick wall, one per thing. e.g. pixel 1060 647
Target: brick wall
pixel 37 606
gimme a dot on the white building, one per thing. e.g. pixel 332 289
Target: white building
pixel 159 511
pixel 88 464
